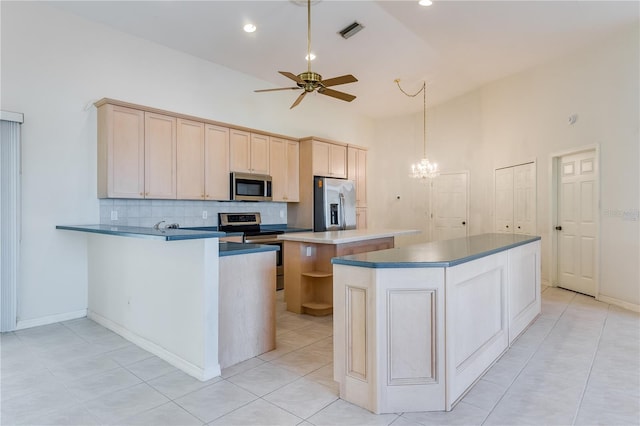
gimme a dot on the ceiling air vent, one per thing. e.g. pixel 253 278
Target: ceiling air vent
pixel 351 30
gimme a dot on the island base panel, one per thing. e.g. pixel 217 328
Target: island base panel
pixel 247 307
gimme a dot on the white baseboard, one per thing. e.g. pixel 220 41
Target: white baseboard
pixel 159 351
pixel 50 319
pixel 613 301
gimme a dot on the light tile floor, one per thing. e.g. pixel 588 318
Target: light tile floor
pixel 579 363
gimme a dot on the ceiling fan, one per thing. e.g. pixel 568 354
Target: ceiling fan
pixel 310 81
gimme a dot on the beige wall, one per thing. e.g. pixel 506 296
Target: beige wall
pixel 522 118
pixel 53 65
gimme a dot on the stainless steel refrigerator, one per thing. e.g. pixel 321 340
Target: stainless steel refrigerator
pixel 334 204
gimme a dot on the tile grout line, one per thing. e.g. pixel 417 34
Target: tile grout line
pixel 593 359
pixel 529 358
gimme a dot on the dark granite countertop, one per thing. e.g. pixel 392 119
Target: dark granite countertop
pixel 141 232
pixel 437 254
pixel 232 249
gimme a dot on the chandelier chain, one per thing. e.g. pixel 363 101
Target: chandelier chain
pixel 422 90
pixel 425 169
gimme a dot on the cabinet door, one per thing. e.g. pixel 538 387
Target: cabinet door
pixel 160 156
pixel 337 161
pixel 524 199
pixel 504 200
pixel 278 160
pixel 216 162
pixel 259 154
pixel 357 172
pixel 120 152
pixel 189 155
pixel 240 151
pixel 361 218
pixel 284 163
pixel 320 157
pixel 293 171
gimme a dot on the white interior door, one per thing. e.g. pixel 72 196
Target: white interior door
pixel 577 222
pixel 524 195
pixel 450 206
pixel 503 186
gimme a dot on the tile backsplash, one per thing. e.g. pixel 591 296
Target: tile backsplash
pixel 185 213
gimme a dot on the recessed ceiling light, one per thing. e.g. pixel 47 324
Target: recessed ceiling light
pixel 425 2
pixel 306 58
pixel 249 28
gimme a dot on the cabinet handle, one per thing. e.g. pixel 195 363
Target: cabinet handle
pixel 558 228
pixel 208 196
pixel 142 194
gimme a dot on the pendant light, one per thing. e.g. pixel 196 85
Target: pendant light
pixel 424 169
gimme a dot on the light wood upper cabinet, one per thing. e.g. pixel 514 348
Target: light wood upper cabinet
pixel 216 162
pixel 284 165
pixel 190 164
pixel 203 161
pixel 357 171
pixel 120 152
pixel 249 152
pixel 329 160
pixel 259 154
pixel 159 156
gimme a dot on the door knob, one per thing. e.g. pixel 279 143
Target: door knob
pixel 464 223
pixel 558 228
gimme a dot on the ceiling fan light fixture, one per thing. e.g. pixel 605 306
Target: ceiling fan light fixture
pixel 249 28
pixel 310 81
pixel 310 57
pixel 350 30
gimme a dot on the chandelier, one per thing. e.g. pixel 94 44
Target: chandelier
pixel 424 169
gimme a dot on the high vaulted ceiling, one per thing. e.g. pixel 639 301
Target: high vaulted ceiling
pixel 456 46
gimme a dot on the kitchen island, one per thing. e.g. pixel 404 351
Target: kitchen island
pixel 308 276
pixel 171 291
pixel 416 327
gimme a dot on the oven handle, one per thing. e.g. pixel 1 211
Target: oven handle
pixel 250 241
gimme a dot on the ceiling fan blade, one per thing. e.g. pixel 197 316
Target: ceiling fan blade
pixel 343 79
pixel 280 88
pixel 298 100
pixel 335 94
pixel 292 76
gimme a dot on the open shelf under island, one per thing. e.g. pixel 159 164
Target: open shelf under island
pixel 308 271
pixel 415 327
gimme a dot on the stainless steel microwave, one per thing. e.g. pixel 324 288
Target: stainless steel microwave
pixel 250 187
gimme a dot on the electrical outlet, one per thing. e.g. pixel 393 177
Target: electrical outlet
pixel 308 251
pixel 114 214
pixel 204 214
pixel 281 214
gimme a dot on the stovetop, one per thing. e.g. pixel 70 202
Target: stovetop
pixel 248 223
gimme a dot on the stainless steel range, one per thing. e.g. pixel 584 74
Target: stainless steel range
pixel 254 233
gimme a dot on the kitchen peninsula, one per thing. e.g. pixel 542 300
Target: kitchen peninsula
pixel 308 270
pixel 195 302
pixel 415 327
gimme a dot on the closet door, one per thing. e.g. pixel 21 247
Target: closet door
pixel 504 200
pixel 515 199
pixel 524 199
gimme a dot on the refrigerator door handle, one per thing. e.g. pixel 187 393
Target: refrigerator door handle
pixel 343 225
